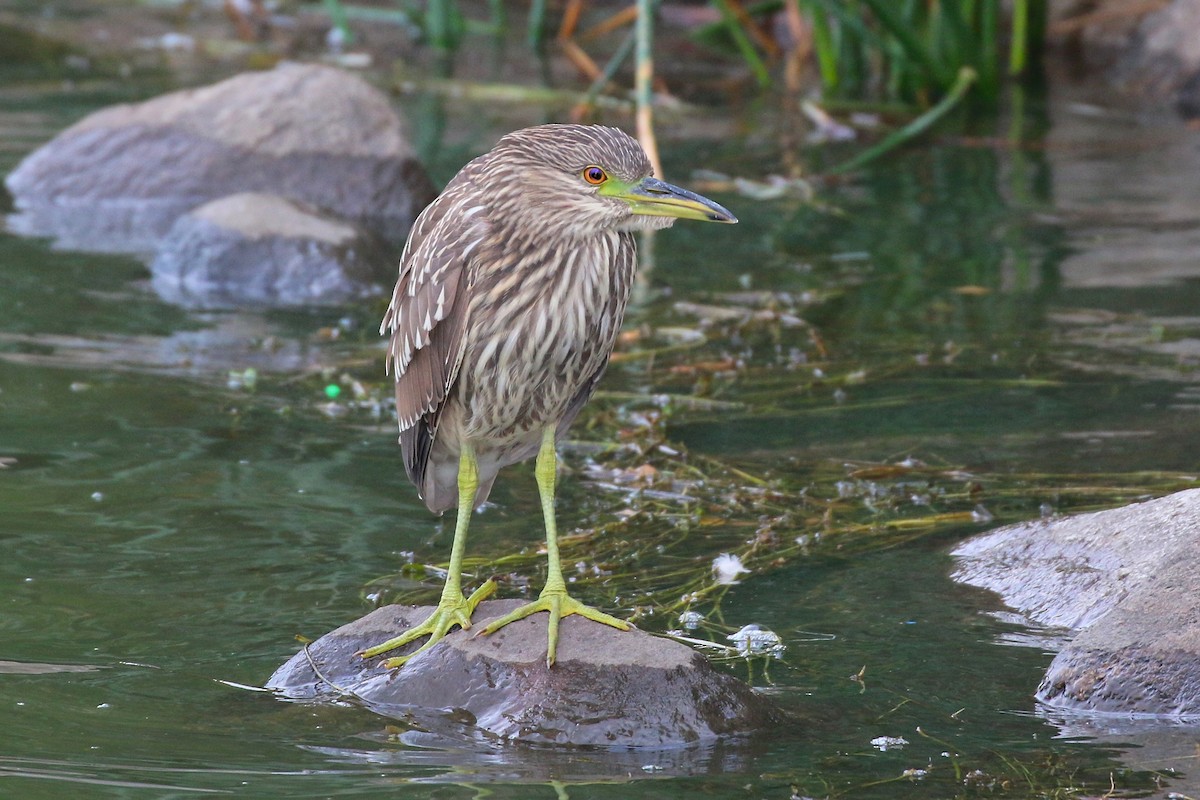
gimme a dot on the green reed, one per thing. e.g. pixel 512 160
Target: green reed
pixel 915 50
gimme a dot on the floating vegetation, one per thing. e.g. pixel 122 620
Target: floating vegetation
pixel 726 569
pixel 665 533
pixel 885 743
pixel 755 640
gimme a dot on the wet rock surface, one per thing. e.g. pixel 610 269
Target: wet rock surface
pixel 1127 581
pixel 119 178
pixel 608 687
pixel 262 250
pixel 1141 658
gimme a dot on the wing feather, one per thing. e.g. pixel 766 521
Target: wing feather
pixel 426 321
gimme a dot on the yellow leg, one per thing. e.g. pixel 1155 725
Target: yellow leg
pixel 453 609
pixel 554 597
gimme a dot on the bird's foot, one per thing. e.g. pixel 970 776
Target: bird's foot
pixel 559 604
pixel 452 610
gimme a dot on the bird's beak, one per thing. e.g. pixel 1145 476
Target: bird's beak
pixel 655 198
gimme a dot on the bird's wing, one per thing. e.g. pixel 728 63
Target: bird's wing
pixel 426 320
pixel 580 399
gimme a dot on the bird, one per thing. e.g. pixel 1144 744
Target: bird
pixel 512 289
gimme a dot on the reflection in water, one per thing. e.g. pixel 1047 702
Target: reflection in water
pixel 476 760
pixel 949 242
pixel 1166 747
pixel 29 668
pixel 78 775
pixel 127 226
pixel 227 341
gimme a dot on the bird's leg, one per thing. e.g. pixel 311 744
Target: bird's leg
pixel 453 609
pixel 554 597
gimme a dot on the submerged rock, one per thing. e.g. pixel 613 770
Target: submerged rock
pixel 1127 582
pixel 608 687
pixel 262 250
pixel 120 177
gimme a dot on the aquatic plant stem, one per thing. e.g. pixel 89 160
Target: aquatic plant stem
pixel 537 25
pixel 1017 53
pixel 825 48
pixel 643 83
pixel 988 59
pixel 741 39
pixel 885 12
pixel 966 77
pixel 337 15
pixel 606 75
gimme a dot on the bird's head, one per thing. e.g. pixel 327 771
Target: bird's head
pixel 584 179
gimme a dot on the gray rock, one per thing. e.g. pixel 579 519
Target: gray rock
pixel 1187 100
pixel 1070 571
pixel 1127 581
pixel 1100 29
pixel 608 687
pixel 1163 59
pixel 262 250
pixel 118 179
pixel 1150 52
pixel 1143 657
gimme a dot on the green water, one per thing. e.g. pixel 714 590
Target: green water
pixel 165 535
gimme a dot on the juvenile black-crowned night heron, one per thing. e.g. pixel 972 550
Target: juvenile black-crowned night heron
pixel 512 288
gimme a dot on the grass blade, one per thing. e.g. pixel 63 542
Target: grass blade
pixel 966 77
pixel 884 11
pixel 744 45
pixel 1017 53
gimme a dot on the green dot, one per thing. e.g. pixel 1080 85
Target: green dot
pixel 332 391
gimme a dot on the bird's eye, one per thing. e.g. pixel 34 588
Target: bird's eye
pixel 594 175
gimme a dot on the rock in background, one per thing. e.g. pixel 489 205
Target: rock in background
pixel 1126 583
pixel 1150 50
pixel 118 180
pixel 253 249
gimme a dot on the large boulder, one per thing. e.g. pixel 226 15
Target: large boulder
pixel 608 687
pixel 1124 584
pixel 262 250
pixel 120 177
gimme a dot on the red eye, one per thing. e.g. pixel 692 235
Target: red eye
pixel 594 175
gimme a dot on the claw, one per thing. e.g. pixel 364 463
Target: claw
pixel 559 604
pixel 450 611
